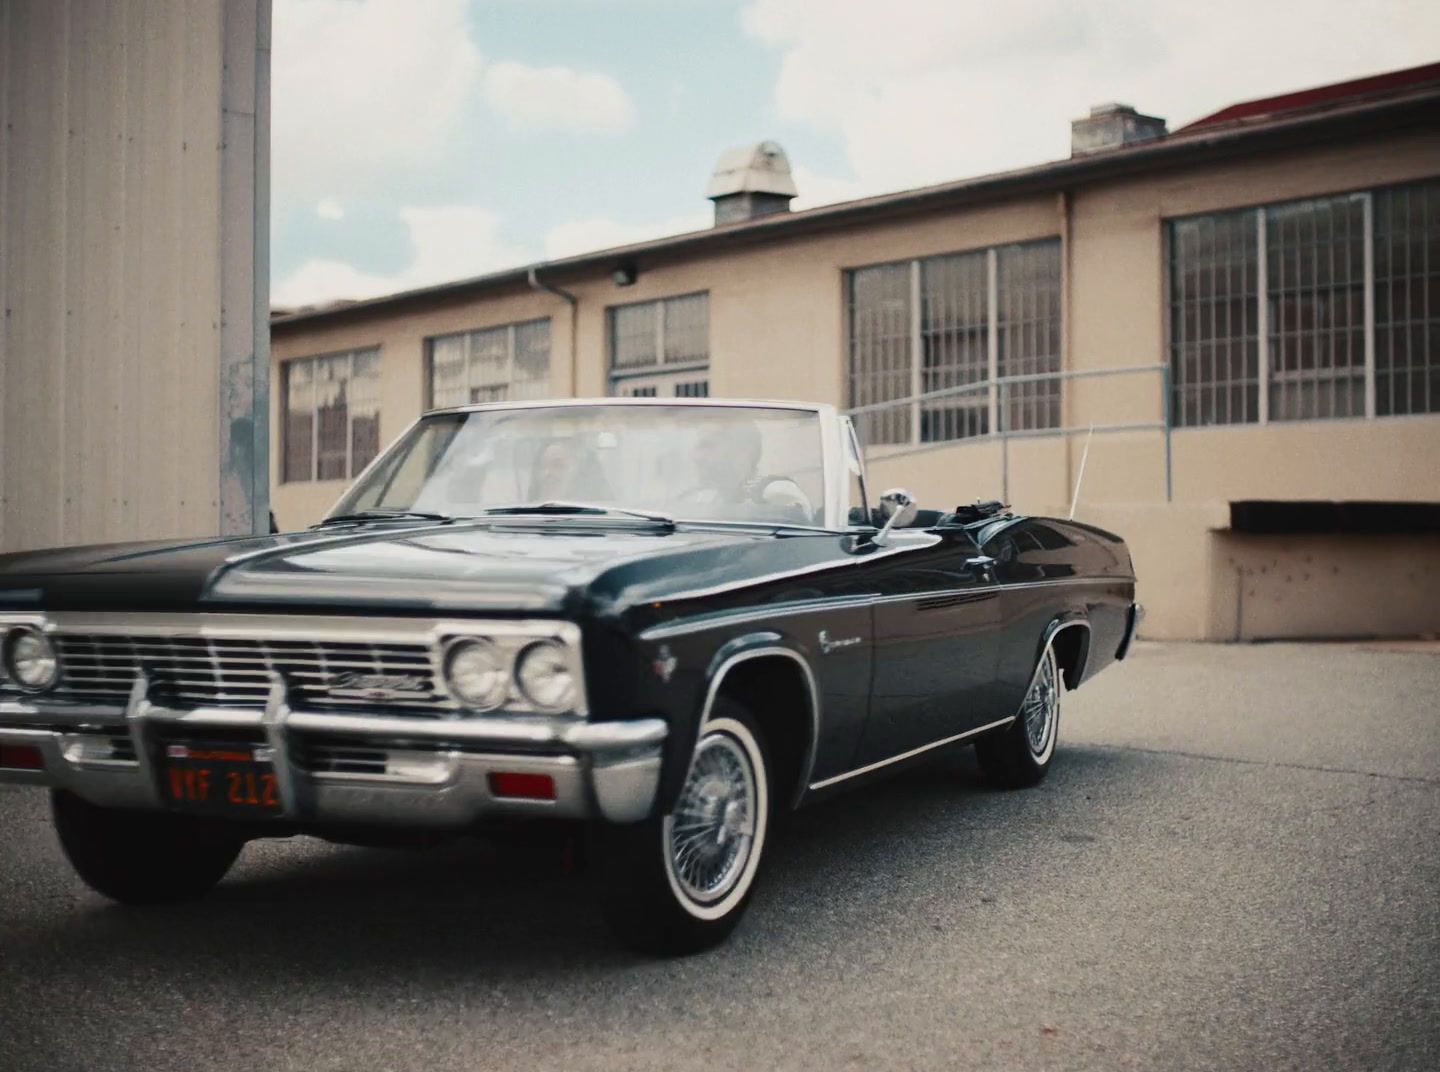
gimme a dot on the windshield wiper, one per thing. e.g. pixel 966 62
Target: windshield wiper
pixel 384 515
pixel 578 508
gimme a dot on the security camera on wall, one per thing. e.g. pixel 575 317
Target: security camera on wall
pixel 624 275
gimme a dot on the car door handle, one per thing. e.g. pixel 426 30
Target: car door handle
pixel 979 562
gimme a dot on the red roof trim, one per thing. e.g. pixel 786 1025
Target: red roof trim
pixel 1336 93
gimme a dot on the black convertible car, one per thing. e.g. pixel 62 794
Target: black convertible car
pixel 667 621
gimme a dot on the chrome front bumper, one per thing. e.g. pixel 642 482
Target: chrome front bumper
pixel 435 772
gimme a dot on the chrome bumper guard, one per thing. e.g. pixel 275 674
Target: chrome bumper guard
pixel 435 772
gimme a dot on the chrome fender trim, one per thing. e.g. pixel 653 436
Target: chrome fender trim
pixel 768 645
pixel 1054 629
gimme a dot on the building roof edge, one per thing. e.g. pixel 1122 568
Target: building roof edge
pixel 1418 109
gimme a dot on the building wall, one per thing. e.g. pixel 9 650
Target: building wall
pixel 777 329
pixel 776 323
pixel 133 177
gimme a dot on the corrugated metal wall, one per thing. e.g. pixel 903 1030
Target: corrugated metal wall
pixel 133 353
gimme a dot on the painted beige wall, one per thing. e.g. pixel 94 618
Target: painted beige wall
pixel 777 330
pixel 1324 586
pixel 128 206
pixel 132 142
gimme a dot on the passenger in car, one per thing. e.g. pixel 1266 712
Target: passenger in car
pixel 727 462
pixel 563 472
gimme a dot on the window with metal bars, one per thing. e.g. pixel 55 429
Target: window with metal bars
pixel 1349 324
pixel 657 348
pixel 930 341
pixel 332 415
pixel 1407 300
pixel 496 364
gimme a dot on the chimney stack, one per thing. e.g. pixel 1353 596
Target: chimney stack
pixel 1110 126
pixel 751 181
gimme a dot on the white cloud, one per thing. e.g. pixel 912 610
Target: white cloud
pixel 448 243
pixel 929 90
pixel 327 208
pixel 363 90
pixel 558 98
pixel 587 236
pixel 815 188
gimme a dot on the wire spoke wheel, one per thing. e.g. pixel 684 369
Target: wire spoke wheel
pixel 1042 705
pixel 677 883
pixel 711 833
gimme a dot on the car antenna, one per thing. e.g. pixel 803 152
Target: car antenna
pixel 1085 457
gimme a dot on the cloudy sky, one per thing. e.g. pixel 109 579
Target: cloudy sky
pixel 417 141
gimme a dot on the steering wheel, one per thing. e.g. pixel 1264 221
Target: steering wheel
pixel 791 498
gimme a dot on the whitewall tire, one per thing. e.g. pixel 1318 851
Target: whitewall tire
pixel 679 883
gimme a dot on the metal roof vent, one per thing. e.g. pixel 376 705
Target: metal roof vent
pixel 1109 126
pixel 750 181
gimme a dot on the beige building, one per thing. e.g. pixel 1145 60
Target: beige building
pixel 1241 318
pixel 134 272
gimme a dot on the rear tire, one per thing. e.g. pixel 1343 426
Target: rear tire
pixel 1019 755
pixel 139 857
pixel 678 884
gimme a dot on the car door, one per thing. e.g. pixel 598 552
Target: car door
pixel 934 619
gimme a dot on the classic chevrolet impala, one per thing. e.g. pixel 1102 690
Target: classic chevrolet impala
pixel 668 621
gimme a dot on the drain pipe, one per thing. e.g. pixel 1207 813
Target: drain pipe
pixel 574 303
pixel 1065 207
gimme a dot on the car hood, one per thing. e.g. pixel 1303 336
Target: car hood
pixel 543 566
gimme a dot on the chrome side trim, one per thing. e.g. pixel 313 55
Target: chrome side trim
pixel 718 677
pixel 718 619
pixel 913 752
pixel 832 564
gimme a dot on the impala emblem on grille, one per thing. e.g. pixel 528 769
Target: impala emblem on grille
pixel 355 685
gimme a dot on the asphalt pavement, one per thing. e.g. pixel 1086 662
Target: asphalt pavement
pixel 1233 865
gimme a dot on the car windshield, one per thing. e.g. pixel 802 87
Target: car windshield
pixel 712 463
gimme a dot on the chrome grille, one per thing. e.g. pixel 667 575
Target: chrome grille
pixel 218 671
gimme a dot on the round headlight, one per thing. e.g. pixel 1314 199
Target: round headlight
pixel 30 659
pixel 475 673
pixel 544 675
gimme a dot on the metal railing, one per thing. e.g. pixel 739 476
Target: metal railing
pixel 998 394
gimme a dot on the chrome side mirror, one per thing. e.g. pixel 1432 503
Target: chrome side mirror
pixel 898 507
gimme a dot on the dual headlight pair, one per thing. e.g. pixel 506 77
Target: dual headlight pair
pixel 479 674
pixel 30 659
pixel 476 671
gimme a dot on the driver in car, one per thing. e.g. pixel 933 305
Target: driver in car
pixel 727 460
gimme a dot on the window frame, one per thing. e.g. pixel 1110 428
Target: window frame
pixel 659 372
pixel 466 336
pixel 994 402
pixel 1268 372
pixel 351 470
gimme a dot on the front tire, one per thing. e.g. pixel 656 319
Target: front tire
pixel 1019 755
pixel 678 884
pixel 139 857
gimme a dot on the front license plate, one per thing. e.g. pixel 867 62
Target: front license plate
pixel 221 779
